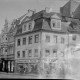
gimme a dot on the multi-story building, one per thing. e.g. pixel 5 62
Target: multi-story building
pixel 7 51
pixel 37 37
pixel 7 45
pixel 3 46
pixel 10 48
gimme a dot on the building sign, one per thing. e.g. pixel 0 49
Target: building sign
pixel 27 61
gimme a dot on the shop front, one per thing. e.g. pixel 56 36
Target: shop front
pixel 1 65
pixel 4 65
pixel 27 67
pixel 10 65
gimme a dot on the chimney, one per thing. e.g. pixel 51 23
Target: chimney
pixel 31 12
pixel 48 10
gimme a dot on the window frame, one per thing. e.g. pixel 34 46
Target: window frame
pixel 47 38
pixel 47 54
pixel 24 41
pixel 29 53
pixel 55 37
pixel 55 53
pixel 62 40
pixel 24 27
pixel 30 39
pixel 18 54
pixel 35 53
pixel 18 42
pixel 56 22
pixel 29 26
pixel 36 38
pixel 23 54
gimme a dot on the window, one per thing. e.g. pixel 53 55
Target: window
pixel 55 38
pixel 6 38
pixel 74 37
pixel 54 53
pixel 58 24
pixel 54 24
pixel 47 53
pixel 18 54
pixel 47 38
pixel 30 26
pixel 36 53
pixel 23 54
pixel 37 38
pixel 29 53
pixel 24 41
pixel 30 39
pixel 62 40
pixel 24 27
pixel 18 42
pixel 5 50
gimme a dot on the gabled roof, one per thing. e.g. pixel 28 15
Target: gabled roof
pixel 74 28
pixel 69 8
pixel 44 14
pixel 43 24
pixel 77 13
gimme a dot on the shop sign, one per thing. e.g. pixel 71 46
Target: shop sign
pixel 27 61
pixel 23 61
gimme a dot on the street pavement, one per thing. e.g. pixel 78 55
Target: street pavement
pixel 18 76
pixel 4 75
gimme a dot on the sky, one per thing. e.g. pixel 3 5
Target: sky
pixel 13 9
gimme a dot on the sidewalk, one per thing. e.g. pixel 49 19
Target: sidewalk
pixel 19 74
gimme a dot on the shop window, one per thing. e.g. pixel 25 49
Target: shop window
pixel 18 54
pixel 24 41
pixel 23 54
pixel 36 53
pixel 18 42
pixel 37 38
pixel 30 39
pixel 47 38
pixel 29 53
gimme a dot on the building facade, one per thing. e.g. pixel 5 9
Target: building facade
pixel 7 46
pixel 36 37
pixel 39 36
pixel 11 46
pixel 3 47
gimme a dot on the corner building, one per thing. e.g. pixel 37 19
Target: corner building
pixel 38 36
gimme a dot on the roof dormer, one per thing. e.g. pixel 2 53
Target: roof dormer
pixel 28 26
pixel 55 22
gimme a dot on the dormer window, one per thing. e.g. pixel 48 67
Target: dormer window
pixel 30 26
pixel 24 28
pixel 55 24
